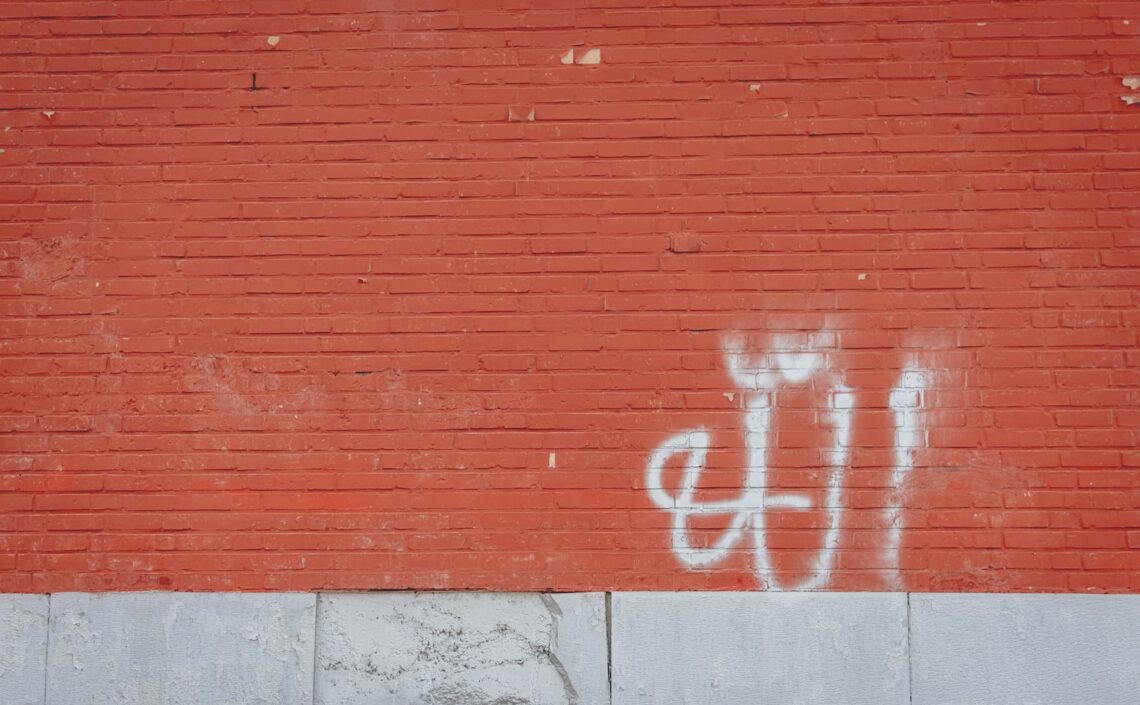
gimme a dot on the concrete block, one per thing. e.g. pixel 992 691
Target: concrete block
pixel 979 649
pixel 23 648
pixel 456 648
pixel 760 648
pixel 181 649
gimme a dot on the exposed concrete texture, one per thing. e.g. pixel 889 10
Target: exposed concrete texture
pixel 461 649
pixel 181 649
pixel 23 648
pixel 760 648
pixel 985 649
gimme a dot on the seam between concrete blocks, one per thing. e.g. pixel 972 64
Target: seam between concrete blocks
pixel 610 646
pixel 316 629
pixel 909 657
pixel 47 649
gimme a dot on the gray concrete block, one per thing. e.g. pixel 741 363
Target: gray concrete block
pixel 181 649
pixel 979 649
pixel 456 648
pixel 760 648
pixel 23 648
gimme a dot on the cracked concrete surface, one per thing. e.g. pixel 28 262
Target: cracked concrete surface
pixel 461 649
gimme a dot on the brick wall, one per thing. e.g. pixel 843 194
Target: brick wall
pixel 569 295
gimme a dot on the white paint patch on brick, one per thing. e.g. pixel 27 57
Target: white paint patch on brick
pixel 568 57
pixel 461 648
pixel 1131 82
pixel 274 40
pixel 786 648
pixel 976 649
pixel 181 649
pixel 592 56
pixel 23 648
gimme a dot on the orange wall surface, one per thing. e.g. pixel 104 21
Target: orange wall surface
pixel 570 295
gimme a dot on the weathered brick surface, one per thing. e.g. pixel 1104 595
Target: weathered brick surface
pixel 348 294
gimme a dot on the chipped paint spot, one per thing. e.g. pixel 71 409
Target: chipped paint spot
pixel 1131 82
pixel 524 113
pixel 592 56
pixel 568 57
pixel 552 461
pixel 274 40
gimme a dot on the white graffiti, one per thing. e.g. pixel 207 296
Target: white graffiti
pixel 787 364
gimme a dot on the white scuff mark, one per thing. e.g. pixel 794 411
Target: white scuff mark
pixel 1130 99
pixel 1131 82
pixel 49 114
pixel 568 57
pixel 273 40
pixel 760 381
pixel 731 396
pixel 754 87
pixel 862 276
pixel 552 461
pixel 983 24
pixel 592 56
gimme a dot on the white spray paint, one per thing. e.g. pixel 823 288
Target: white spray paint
pixel 759 381
pixel 905 402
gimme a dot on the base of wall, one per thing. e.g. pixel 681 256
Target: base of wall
pixel 453 648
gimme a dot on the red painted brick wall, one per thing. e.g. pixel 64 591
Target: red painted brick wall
pixel 405 294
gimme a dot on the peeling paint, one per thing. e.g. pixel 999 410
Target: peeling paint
pixel 592 56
